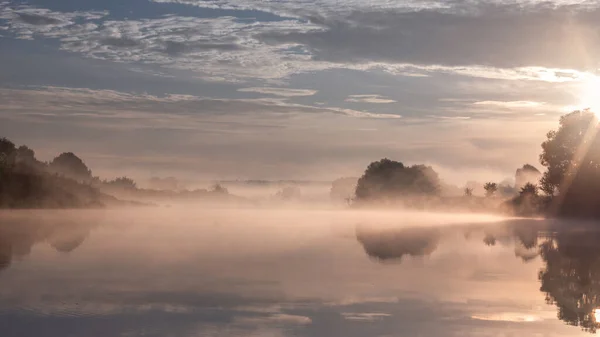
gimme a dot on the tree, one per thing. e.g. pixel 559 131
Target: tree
pixel 571 155
pixel 7 154
pixel 218 188
pixel 388 179
pixel 576 133
pixel 526 174
pixel 123 182
pixel 490 189
pixel 529 189
pixel 70 166
pixel 468 192
pixel 7 147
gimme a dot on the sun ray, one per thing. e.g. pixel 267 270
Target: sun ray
pixel 590 95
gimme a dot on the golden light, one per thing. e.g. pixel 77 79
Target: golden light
pixel 597 315
pixel 590 95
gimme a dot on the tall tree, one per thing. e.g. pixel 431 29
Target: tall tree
pixel 571 155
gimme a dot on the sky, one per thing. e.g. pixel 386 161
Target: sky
pixel 294 89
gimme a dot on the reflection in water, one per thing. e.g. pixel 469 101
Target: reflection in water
pixel 570 277
pixel 18 234
pixel 393 244
pixel 259 278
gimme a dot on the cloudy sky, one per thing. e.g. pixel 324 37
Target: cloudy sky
pixel 223 89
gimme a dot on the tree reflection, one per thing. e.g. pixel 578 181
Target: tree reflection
pixel 393 244
pixel 571 277
pixel 18 234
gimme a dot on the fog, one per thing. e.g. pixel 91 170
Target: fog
pixel 234 271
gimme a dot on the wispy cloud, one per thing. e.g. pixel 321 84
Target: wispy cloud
pixel 512 104
pixel 375 37
pixel 376 99
pixel 284 92
pixel 364 317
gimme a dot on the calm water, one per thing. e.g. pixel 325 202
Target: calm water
pixel 294 273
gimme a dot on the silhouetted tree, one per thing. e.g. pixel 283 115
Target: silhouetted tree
pixel 123 182
pixel 218 188
pixel 388 179
pixel 7 147
pixel 529 189
pixel 571 155
pixel 526 174
pixel 468 192
pixel 70 166
pixel 490 189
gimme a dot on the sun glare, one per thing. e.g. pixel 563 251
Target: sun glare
pixel 590 95
pixel 597 315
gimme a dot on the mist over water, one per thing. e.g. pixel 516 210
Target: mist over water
pixel 284 272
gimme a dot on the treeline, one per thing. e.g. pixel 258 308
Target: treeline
pixel 67 182
pixel 569 186
pixel 26 182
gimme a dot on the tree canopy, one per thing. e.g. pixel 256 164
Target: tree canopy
pixel 571 155
pixel 70 166
pixel 527 174
pixel 388 179
pixel 490 189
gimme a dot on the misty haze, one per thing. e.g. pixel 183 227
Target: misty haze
pixel 278 168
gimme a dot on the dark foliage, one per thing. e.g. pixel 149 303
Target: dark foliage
pixel 571 155
pixel 387 179
pixel 122 182
pixel 490 189
pixel 26 182
pixel 69 165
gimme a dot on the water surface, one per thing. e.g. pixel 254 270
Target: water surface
pixel 182 272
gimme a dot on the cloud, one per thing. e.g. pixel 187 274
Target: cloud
pixel 512 104
pixel 494 35
pixel 27 22
pixel 377 99
pixel 364 317
pixel 410 38
pixel 363 114
pixel 274 319
pixel 35 19
pixel 109 104
pixel 303 9
pixel 284 92
pixel 256 138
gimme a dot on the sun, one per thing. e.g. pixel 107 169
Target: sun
pixel 590 95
